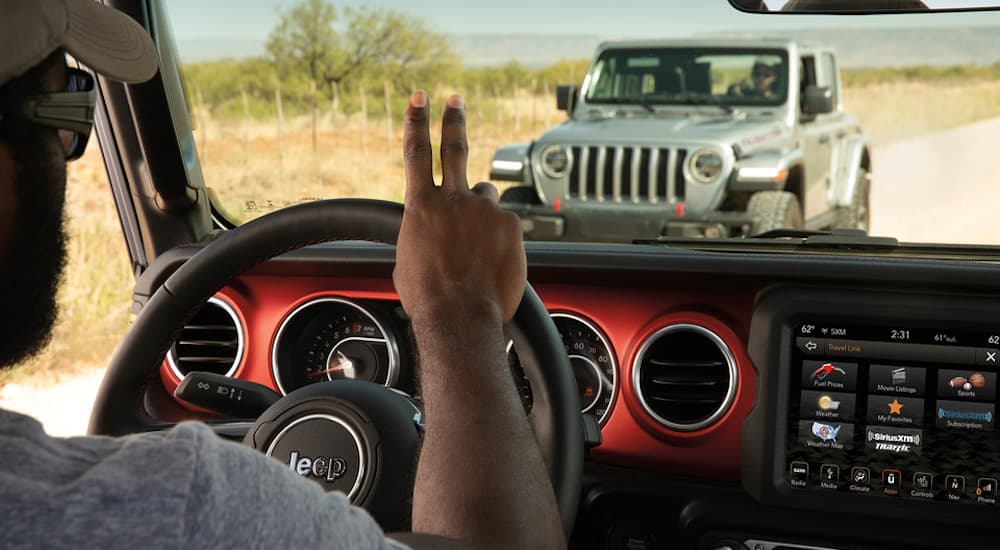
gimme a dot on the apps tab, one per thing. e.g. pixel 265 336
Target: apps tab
pixel 891 410
pixel 825 435
pixel 892 480
pixel 827 405
pixel 964 415
pixel 898 441
pixel 967 384
pixel 898 380
pixel 829 375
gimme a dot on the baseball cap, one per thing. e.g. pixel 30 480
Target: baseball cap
pixel 102 38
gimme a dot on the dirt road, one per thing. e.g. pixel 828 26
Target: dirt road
pixel 940 187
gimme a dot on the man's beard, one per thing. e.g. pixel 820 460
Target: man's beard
pixel 37 248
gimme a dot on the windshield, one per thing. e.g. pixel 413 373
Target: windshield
pixel 608 122
pixel 676 76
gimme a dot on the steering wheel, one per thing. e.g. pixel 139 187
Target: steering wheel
pixel 371 433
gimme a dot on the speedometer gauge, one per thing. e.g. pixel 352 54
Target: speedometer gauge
pixel 592 360
pixel 333 339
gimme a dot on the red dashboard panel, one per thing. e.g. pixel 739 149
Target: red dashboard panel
pixel 626 315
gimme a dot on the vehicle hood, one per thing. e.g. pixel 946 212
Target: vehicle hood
pixel 748 132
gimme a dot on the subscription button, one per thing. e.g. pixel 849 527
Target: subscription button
pixel 963 415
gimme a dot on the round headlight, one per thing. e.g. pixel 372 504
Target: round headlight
pixel 705 166
pixel 555 161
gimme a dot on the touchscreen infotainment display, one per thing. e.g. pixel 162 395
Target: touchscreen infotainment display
pixel 894 412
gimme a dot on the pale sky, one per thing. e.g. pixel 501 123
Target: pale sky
pixel 198 19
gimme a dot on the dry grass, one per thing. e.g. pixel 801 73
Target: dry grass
pixel 241 162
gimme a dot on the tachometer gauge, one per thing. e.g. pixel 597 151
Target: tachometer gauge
pixel 333 339
pixel 592 360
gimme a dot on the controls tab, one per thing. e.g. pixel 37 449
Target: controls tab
pixel 829 375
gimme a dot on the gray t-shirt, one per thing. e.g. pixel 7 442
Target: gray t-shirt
pixel 184 488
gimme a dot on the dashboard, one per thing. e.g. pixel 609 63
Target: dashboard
pixel 761 400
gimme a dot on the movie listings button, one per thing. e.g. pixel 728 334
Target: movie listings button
pixel 897 441
pixel 829 375
pixel 798 474
pixel 908 381
pixel 986 490
pixel 827 405
pixel 825 435
pixel 892 410
pixel 966 384
pixel 964 415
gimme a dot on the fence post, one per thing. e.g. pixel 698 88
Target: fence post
pixel 313 108
pixel 203 148
pixel 246 125
pixel 496 103
pixel 388 119
pixel 334 109
pixel 364 119
pixel 281 122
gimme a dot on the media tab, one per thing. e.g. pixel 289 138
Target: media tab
pixel 827 405
pixel 964 415
pixel 829 375
pixel 967 384
pixel 891 410
pixel 897 380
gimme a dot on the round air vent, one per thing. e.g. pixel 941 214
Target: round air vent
pixel 685 377
pixel 212 341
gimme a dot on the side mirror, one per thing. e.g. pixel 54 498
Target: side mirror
pixel 566 97
pixel 817 100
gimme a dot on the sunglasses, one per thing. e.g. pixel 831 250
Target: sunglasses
pixel 71 112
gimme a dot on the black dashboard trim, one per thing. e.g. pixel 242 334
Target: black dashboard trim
pixel 771 340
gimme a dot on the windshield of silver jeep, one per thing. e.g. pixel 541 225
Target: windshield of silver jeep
pixel 684 76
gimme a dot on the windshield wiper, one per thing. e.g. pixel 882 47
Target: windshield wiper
pixel 637 101
pixel 709 100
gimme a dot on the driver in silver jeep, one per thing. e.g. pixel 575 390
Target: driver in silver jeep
pixel 460 274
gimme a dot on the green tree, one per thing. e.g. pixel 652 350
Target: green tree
pixel 328 45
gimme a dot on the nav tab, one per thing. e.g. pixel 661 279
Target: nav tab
pixel 954 487
pixel 964 415
pixel 811 346
pixel 829 375
pixel 895 411
pixel 897 380
pixel 967 384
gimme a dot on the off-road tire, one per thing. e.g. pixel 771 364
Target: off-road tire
pixel 774 210
pixel 522 194
pixel 858 214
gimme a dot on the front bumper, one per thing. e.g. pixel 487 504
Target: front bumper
pixel 624 223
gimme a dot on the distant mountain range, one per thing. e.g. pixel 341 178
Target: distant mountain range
pixel 856 47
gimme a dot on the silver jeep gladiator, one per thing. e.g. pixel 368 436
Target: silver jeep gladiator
pixel 711 138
